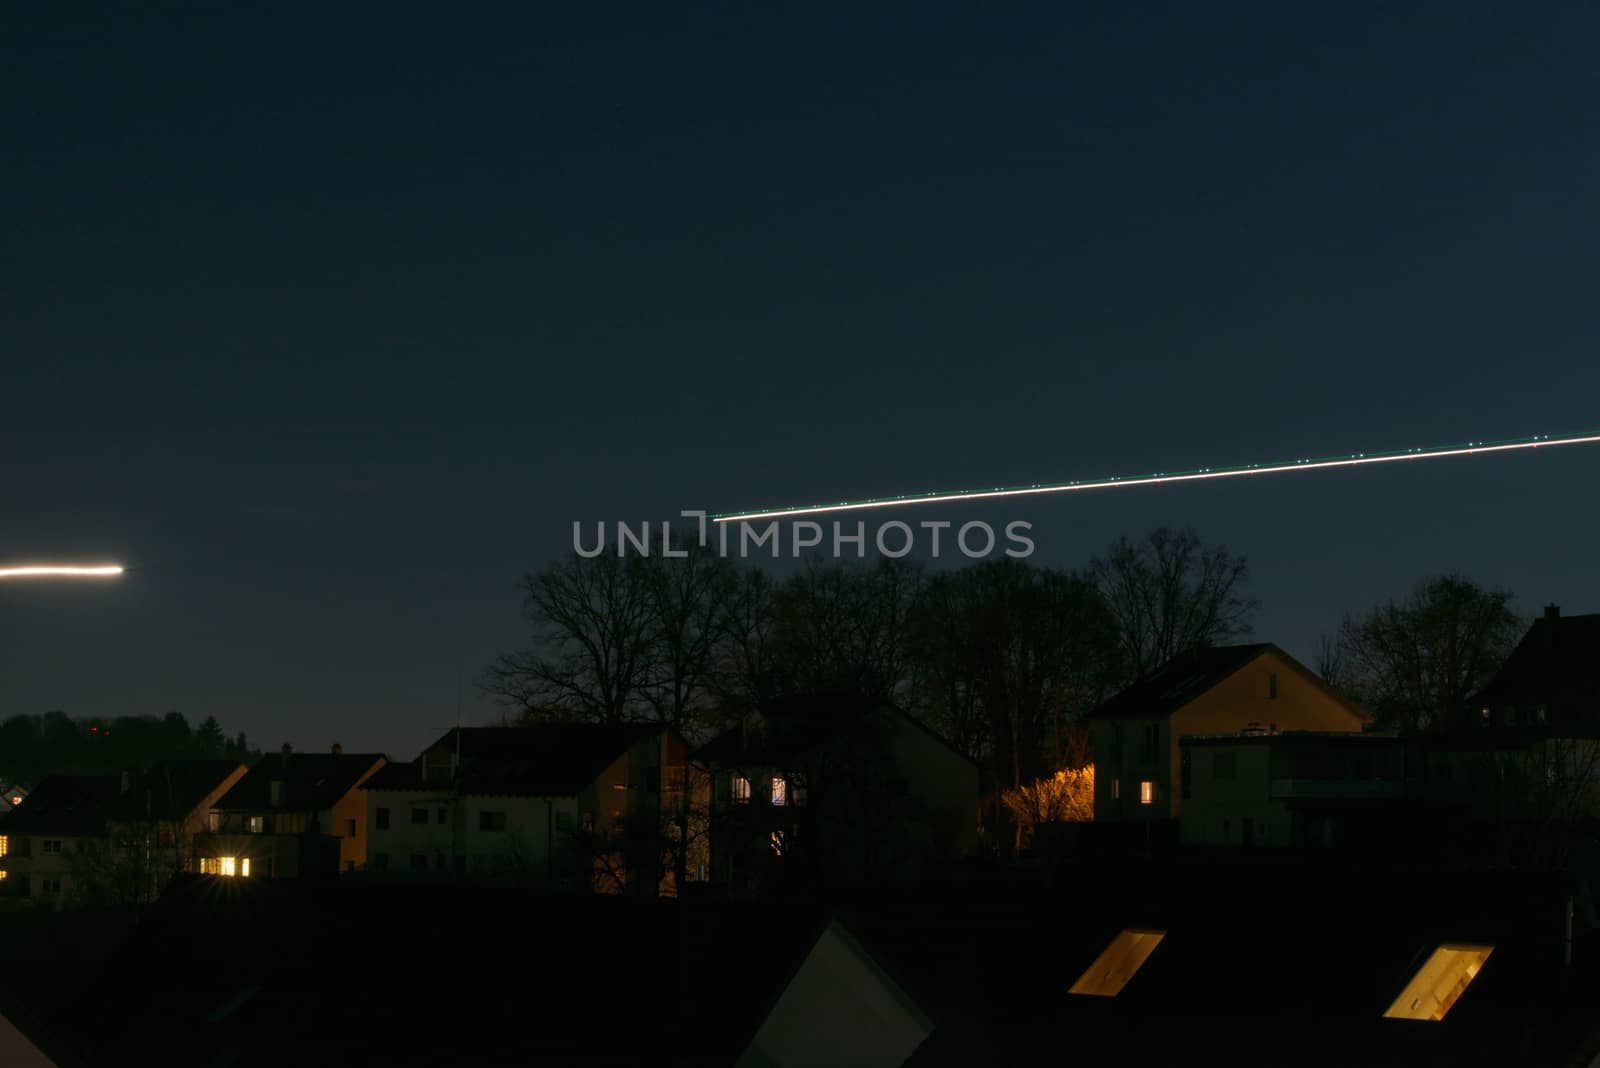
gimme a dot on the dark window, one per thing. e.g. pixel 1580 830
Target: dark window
pixel 164 839
pixel 1272 686
pixel 380 861
pixel 419 862
pixel 1184 763
pixel 1152 740
pixel 1225 766
pixel 444 815
pixel 349 865
pixel 652 780
pixel 491 821
pixel 383 819
pixel 419 815
pixel 50 886
pixel 51 846
pixel 461 866
pixel 349 828
pixel 563 821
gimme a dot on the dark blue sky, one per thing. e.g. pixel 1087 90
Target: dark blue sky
pixel 331 324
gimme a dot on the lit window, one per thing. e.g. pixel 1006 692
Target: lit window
pixel 1116 789
pixel 741 789
pixel 1483 713
pixel 244 867
pixel 214 822
pixel 4 848
pixel 780 792
pixel 3 873
pixel 256 824
pixel 1439 982
pixel 1147 792
pixel 229 865
pixel 1111 970
pixel 777 843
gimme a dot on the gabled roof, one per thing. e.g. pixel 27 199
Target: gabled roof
pixel 1179 681
pixel 546 760
pixel 1189 675
pixel 790 725
pixel 66 804
pixel 711 970
pixel 1558 658
pixel 311 780
pixel 171 789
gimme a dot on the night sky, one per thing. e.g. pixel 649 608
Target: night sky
pixel 329 325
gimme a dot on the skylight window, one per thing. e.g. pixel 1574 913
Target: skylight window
pixel 1439 982
pixel 1121 960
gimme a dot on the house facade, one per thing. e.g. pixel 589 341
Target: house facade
pixel 1135 735
pixel 1289 789
pixel 292 815
pixel 835 787
pixel 554 805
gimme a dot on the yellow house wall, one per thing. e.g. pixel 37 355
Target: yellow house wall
pixel 1242 698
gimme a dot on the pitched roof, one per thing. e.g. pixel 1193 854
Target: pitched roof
pixel 311 780
pixel 1179 681
pixel 170 789
pixel 66 804
pixel 715 970
pixel 1558 658
pixel 545 760
pixel 797 722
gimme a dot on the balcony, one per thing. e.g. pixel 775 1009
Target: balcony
pixel 1335 789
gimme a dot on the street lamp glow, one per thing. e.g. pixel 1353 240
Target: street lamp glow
pixel 45 571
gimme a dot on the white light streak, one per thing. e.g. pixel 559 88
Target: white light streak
pixel 1357 460
pixel 42 571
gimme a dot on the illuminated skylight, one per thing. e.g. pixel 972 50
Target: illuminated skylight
pixel 1121 960
pixel 1439 982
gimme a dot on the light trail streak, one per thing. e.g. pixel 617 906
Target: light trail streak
pixel 1471 448
pixel 65 572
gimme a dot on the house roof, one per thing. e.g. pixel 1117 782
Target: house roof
pixel 67 805
pixel 1190 674
pixel 795 723
pixel 311 780
pixel 1179 681
pixel 704 976
pixel 171 789
pixel 546 760
pixel 1559 657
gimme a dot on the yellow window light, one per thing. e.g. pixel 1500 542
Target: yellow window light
pixel 1118 963
pixel 1439 982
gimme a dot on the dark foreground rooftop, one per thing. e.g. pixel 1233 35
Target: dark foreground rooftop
pixel 1259 964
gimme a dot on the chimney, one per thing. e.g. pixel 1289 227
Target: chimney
pixel 337 748
pixel 1552 612
pixel 287 749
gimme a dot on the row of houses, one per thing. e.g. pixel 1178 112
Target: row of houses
pixel 1243 746
pixel 1239 746
pixel 623 809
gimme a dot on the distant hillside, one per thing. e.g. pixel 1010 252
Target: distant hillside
pixel 33 747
